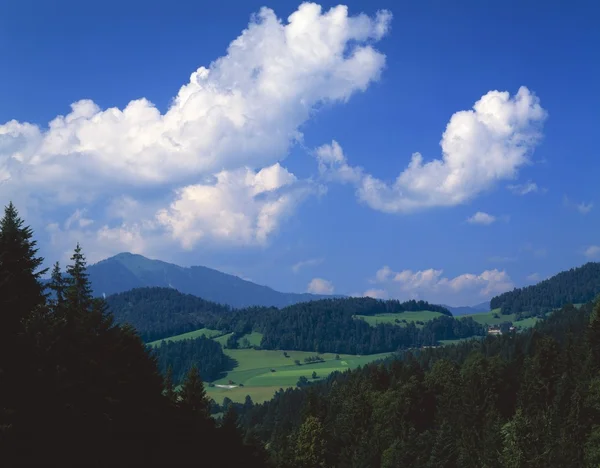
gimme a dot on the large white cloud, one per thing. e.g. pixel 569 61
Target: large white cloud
pixel 432 286
pixel 479 147
pixel 218 144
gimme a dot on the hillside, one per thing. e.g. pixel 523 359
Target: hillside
pixel 529 400
pixel 575 286
pixel 127 271
pixel 161 312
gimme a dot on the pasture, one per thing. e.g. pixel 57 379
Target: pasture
pixel 255 371
pixel 419 316
pixel 190 335
pixel 488 318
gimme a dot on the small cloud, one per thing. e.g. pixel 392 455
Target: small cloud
pixel 306 263
pixel 481 218
pixel 320 286
pixel 524 189
pixel 583 208
pixel 533 278
pixel 592 252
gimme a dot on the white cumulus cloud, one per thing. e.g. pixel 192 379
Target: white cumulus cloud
pixel 481 218
pixel 432 286
pixel 320 286
pixel 481 146
pixel 215 151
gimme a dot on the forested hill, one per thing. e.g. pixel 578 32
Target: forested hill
pixel 127 271
pixel 519 400
pixel 575 286
pixel 370 306
pixel 331 326
pixel 161 312
pixel 158 313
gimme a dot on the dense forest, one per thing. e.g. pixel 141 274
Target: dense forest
pixel 162 312
pixel 330 326
pixel 158 313
pixel 575 286
pixel 517 400
pixel 79 390
pixel 181 356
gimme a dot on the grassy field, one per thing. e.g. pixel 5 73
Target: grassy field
pixel 253 338
pixel 420 316
pixel 489 319
pixel 254 371
pixel 189 335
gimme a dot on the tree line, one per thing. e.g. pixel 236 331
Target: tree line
pixel 575 286
pixel 206 354
pixel 330 326
pixel 77 389
pixel 158 313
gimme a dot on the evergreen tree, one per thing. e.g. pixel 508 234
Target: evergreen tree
pixel 310 448
pixel 170 392
pixel 193 395
pixel 20 288
pixel 58 285
pixel 78 293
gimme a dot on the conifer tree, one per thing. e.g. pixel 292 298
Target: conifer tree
pixel 58 285
pixel 170 392
pixel 193 395
pixel 20 289
pixel 78 293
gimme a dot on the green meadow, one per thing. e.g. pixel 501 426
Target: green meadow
pixel 190 335
pixel 261 373
pixel 488 318
pixel 419 316
pixel 255 368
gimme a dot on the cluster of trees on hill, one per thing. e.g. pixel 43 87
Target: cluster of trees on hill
pixel 329 326
pixel 78 390
pixel 162 312
pixel 370 306
pixel 202 352
pixel 575 286
pixel 517 400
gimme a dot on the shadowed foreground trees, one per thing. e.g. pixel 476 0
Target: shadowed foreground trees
pixel 79 390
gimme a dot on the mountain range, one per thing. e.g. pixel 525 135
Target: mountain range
pixel 127 271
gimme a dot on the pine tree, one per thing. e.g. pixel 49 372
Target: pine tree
pixel 58 285
pixel 170 392
pixel 229 426
pixel 78 294
pixel 193 395
pixel 20 288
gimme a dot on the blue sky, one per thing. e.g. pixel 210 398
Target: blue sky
pixel 280 162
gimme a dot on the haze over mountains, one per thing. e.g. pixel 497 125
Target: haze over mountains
pixel 127 271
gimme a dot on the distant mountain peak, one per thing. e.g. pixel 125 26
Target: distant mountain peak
pixel 126 270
